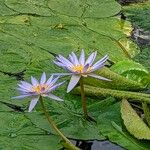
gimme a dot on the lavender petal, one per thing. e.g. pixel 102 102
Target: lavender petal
pixel 43 78
pixel 82 57
pixel 85 68
pixel 22 89
pixel 33 103
pixel 91 58
pixel 53 81
pixel 59 63
pixel 25 85
pixel 52 88
pixel 73 82
pixel 101 61
pixel 71 58
pixel 64 60
pixel 54 97
pixel 76 62
pixel 62 74
pixel 34 81
pixel 50 80
pixel 99 77
pixel 21 96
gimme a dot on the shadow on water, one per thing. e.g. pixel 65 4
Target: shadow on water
pixel 97 145
pixel 127 2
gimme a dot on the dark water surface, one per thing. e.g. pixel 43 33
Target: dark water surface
pixel 98 145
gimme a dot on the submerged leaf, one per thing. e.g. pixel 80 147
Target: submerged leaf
pixel 133 122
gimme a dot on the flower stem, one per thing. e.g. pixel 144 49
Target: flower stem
pixel 67 143
pixel 84 107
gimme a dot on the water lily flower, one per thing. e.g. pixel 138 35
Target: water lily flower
pixel 37 89
pixel 80 67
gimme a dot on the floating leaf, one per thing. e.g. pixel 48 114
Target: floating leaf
pixel 133 122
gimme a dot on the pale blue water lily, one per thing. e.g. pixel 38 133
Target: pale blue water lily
pixel 80 67
pixel 36 89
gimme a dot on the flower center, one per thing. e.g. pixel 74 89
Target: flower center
pixel 39 88
pixel 79 69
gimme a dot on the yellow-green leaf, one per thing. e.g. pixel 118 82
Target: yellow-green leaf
pixel 133 122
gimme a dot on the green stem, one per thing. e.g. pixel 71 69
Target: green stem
pixel 83 98
pixel 68 144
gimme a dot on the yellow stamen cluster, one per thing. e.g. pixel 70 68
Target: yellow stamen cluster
pixel 79 68
pixel 39 88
